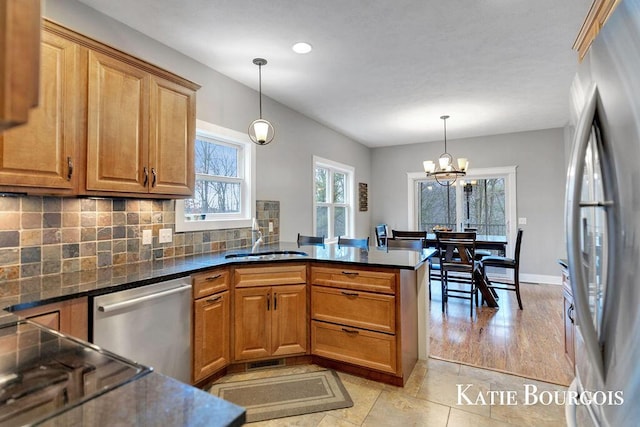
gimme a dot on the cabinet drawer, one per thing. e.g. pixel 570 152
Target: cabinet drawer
pixel 373 281
pixel 270 276
pixel 210 282
pixel 359 347
pixel 360 309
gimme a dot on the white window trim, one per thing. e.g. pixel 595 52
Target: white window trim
pixel 506 172
pixel 351 188
pixel 248 205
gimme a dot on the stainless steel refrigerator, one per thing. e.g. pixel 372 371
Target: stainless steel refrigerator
pixel 603 226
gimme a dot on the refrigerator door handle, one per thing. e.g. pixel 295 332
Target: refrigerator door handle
pixel 572 213
pixel 570 407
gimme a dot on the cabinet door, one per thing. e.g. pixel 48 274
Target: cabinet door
pixel 42 153
pixel 69 317
pixel 252 324
pixel 211 335
pixel 289 320
pixel 117 126
pixel 172 138
pixel 19 56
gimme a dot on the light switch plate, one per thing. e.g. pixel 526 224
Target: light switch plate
pixel 270 227
pixel 147 237
pixel 165 235
pixel 522 221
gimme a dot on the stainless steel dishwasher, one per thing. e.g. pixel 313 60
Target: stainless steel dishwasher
pixel 150 325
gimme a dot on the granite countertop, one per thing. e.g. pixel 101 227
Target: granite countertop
pixel 53 288
pixel 52 379
pixel 153 400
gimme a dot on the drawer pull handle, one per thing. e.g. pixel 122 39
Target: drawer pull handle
pixel 350 273
pixel 145 171
pixel 275 301
pixel 210 278
pixel 349 294
pixel 350 331
pixel 268 301
pixel 214 299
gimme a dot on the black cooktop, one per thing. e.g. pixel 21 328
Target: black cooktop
pixel 43 373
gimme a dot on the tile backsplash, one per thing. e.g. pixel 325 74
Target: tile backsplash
pixel 52 235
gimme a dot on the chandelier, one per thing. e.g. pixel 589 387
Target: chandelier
pixel 261 131
pixel 444 171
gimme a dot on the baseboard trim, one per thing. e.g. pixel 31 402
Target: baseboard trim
pixel 543 279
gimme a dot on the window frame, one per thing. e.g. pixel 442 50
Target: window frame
pixel 506 172
pixel 349 204
pixel 246 165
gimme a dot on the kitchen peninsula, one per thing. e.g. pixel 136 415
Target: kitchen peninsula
pixel 361 313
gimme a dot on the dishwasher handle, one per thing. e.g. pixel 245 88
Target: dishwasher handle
pixel 134 301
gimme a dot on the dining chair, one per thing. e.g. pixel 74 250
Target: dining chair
pixel 402 234
pixel 310 240
pixel 382 232
pixel 407 244
pixel 457 265
pixel 434 266
pixel 356 243
pixel 507 263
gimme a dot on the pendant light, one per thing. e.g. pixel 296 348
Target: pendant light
pixel 445 172
pixel 261 131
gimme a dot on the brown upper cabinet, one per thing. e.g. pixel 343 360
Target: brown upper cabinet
pixel 42 153
pixel 596 17
pixel 19 56
pixel 109 125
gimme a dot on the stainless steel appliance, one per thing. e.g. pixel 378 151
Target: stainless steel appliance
pixel 603 226
pixel 150 324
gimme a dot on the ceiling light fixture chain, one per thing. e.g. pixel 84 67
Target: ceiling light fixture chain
pixel 444 171
pixel 261 131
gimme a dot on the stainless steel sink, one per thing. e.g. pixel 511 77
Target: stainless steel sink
pixel 271 255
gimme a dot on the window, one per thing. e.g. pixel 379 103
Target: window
pixel 224 188
pixel 485 200
pixel 482 205
pixel 333 199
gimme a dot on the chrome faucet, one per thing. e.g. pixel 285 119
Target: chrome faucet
pixel 258 241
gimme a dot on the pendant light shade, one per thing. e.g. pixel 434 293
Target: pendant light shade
pixel 444 171
pixel 261 131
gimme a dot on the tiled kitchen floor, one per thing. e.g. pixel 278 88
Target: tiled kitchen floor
pixel 430 398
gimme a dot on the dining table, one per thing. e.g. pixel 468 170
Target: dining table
pixel 483 241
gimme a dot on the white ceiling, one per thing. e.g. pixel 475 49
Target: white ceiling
pixel 383 71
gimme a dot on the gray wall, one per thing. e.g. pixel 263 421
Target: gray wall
pixel 541 174
pixel 284 169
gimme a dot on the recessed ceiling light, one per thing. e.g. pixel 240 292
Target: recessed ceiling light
pixel 301 47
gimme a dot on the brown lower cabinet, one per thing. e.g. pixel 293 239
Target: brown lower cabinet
pixel 68 317
pixel 364 320
pixel 270 322
pixel 358 319
pixel 211 323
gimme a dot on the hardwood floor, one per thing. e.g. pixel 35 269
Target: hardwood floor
pixel 528 342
